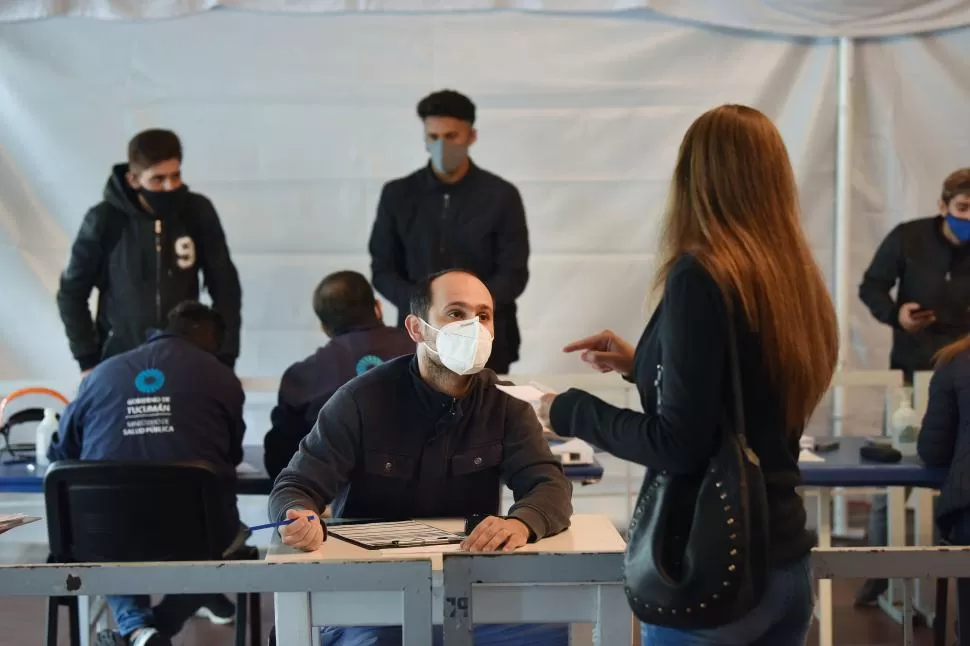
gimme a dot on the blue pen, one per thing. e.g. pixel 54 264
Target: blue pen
pixel 279 524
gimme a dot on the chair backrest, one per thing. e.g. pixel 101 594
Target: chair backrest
pixel 113 512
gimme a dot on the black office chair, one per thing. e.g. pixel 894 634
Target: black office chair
pixel 122 512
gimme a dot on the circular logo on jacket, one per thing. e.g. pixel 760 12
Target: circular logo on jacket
pixel 149 381
pixel 367 362
pixel 185 252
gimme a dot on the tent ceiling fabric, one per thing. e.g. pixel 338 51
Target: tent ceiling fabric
pixel 816 18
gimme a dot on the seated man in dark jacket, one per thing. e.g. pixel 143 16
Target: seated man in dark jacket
pixel 198 404
pixel 430 436
pixel 351 316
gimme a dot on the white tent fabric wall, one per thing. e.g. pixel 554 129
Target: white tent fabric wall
pixel 791 17
pixel 911 100
pixel 291 124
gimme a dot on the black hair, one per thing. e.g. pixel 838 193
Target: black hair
pixel 152 147
pixel 199 324
pixel 420 302
pixel 447 103
pixel 344 300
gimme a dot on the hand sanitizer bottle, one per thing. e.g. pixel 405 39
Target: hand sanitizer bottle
pixel 44 435
pixel 904 424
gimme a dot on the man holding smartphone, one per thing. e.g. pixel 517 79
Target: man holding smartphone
pixel 927 261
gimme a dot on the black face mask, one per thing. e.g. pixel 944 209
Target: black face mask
pixel 163 203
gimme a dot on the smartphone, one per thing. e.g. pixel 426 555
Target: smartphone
pixel 824 446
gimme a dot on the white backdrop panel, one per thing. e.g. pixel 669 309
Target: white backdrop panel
pixel 911 113
pixel 814 18
pixel 292 123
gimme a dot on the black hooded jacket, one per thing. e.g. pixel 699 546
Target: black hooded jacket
pixel 143 266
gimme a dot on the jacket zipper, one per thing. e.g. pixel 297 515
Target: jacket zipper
pixel 158 271
pixel 451 413
pixel 444 219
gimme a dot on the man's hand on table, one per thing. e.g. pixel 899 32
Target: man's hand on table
pixel 496 534
pixel 302 534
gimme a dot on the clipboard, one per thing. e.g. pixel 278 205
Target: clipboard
pixel 391 535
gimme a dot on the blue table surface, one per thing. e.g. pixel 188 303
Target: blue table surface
pixel 843 467
pixel 25 478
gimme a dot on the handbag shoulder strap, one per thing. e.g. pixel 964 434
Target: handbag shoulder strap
pixel 734 358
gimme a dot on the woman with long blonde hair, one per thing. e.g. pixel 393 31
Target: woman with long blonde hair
pixel 733 256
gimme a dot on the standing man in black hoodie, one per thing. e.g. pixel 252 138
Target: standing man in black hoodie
pixel 451 213
pixel 143 248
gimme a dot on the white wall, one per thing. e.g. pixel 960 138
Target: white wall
pixel 292 123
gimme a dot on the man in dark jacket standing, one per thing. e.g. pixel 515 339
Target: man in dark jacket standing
pixel 927 261
pixel 351 316
pixel 452 213
pixel 168 400
pixel 430 436
pixel 143 248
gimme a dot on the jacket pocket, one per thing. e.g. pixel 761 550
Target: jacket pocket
pixel 476 459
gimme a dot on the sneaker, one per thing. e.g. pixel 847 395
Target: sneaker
pixel 218 610
pixel 149 637
pixel 868 594
pixel 109 638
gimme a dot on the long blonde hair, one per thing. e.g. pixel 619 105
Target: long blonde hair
pixel 733 204
pixel 951 351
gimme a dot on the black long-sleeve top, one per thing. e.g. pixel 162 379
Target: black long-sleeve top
pixel 682 374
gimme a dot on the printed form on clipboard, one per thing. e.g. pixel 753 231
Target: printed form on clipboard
pixel 393 535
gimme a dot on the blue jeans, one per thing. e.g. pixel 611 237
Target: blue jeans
pixel 132 612
pixel 781 619
pixel 485 635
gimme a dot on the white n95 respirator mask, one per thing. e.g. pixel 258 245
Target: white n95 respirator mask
pixel 463 346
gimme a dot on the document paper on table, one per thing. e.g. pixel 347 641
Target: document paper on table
pixel 529 393
pixel 382 536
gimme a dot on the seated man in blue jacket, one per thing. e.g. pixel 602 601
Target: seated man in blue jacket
pixel 351 316
pixel 203 421
pixel 430 436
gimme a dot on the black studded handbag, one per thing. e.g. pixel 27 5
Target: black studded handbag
pixel 697 555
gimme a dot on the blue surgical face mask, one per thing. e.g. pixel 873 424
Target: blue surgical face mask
pixel 959 227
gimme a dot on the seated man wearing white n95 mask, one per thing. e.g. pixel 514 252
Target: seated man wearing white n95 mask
pixel 430 436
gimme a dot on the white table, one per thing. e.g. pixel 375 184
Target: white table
pixel 572 577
